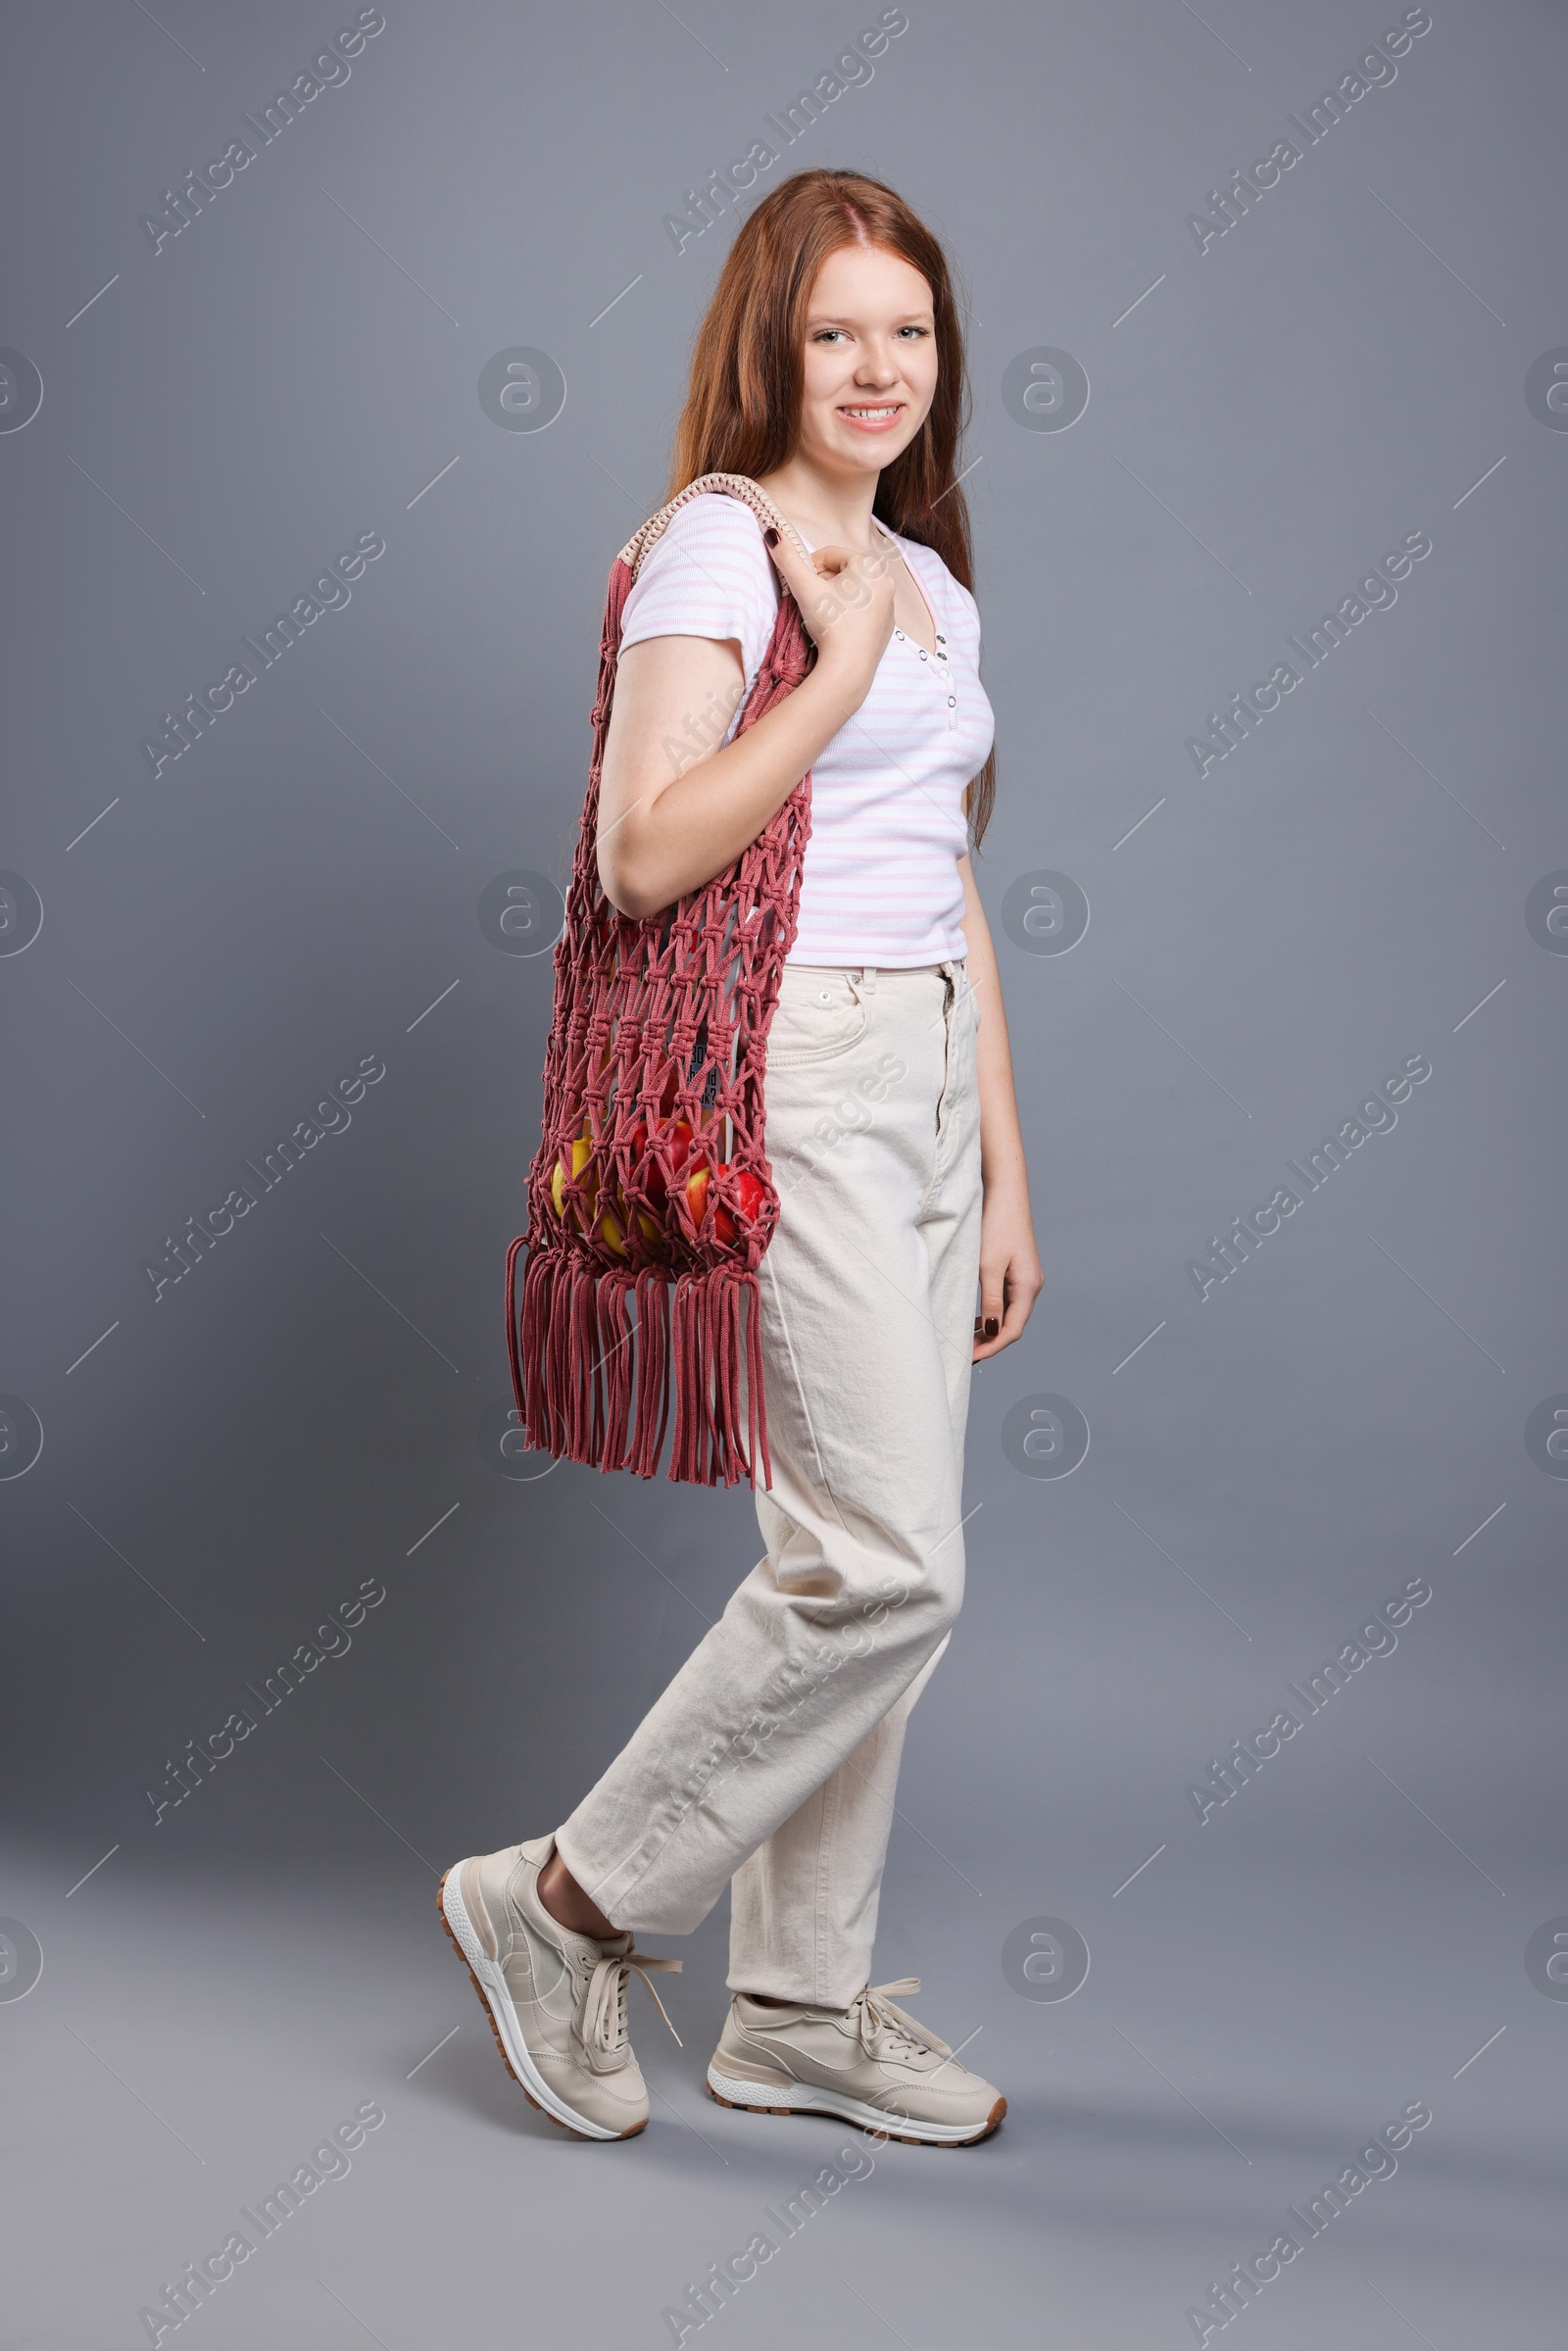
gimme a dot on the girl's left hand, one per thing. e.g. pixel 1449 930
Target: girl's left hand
pixel 1010 1275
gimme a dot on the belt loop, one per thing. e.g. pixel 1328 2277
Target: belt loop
pixel 869 978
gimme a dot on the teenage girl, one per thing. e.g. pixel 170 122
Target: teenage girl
pixel 829 370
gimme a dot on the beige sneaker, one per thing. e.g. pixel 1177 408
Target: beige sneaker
pixel 556 2000
pixel 869 2063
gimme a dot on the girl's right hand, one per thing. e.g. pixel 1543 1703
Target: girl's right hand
pixel 846 601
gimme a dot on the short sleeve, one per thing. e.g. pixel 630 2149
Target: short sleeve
pixel 707 575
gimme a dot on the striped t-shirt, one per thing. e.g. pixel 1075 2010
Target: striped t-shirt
pixel 880 883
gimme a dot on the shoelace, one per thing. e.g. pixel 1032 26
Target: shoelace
pixel 884 2025
pixel 604 2007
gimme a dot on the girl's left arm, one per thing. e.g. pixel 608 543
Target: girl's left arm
pixel 1011 1278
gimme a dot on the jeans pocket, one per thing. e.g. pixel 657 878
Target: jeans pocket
pixel 821 1014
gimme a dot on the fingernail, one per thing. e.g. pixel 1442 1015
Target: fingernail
pixel 770 537
pixel 991 1326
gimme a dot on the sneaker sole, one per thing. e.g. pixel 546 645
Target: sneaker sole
pixel 488 1982
pixel 801 2098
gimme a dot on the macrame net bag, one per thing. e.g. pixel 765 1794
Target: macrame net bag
pixel 650 1200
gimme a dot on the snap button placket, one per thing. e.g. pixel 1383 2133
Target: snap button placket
pixel 943 670
pixel 944 674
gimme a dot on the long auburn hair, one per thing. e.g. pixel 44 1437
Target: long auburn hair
pixel 743 404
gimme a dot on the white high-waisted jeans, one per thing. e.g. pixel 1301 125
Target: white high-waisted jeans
pixel 771 1760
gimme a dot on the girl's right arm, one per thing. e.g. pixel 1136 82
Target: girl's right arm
pixel 670 818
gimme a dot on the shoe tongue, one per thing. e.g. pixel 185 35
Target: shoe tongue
pixel 602 1996
pixel 580 1953
pixel 586 1952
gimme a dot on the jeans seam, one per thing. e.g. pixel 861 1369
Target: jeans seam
pixel 939 1167
pixel 821 1929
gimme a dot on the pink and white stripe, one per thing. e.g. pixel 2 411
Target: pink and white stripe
pixel 881 882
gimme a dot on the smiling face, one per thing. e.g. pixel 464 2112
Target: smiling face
pixel 870 362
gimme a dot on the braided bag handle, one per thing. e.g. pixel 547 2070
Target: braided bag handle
pixel 651 1198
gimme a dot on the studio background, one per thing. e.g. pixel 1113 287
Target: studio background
pixel 1196 431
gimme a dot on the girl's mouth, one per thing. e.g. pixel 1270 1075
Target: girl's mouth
pixel 873 415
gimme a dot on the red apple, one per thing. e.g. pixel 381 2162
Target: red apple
pixel 680 1144
pixel 752 1196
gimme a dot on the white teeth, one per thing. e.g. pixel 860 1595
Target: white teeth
pixel 871 412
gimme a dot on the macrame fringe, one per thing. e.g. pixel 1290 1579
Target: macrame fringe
pixel 592 1380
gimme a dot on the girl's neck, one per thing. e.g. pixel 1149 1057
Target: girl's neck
pixel 832 509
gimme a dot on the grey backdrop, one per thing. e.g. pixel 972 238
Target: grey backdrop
pixel 1364 355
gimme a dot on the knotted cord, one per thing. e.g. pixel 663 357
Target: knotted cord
pixel 638 1268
